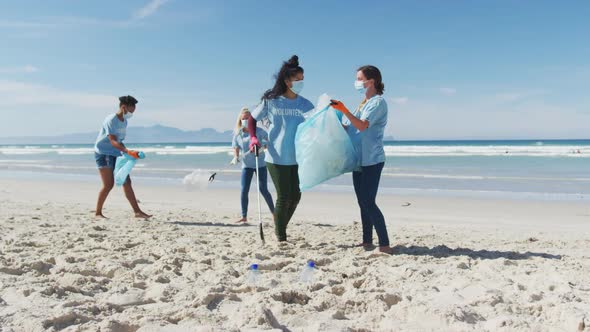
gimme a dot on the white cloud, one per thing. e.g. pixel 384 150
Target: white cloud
pixel 61 22
pixel 149 9
pixel 17 70
pixel 508 97
pixel 76 21
pixel 448 91
pixel 486 119
pixel 18 94
pixel 30 69
pixel 23 24
pixel 400 100
pixel 515 96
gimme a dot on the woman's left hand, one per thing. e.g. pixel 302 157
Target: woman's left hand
pixel 339 106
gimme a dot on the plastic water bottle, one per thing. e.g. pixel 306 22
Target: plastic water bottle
pixel 307 275
pixel 124 166
pixel 253 277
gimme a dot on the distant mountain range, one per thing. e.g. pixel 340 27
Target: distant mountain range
pixel 153 134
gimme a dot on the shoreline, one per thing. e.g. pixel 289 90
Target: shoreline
pixel 338 188
pixel 333 207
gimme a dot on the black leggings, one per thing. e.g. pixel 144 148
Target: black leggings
pixel 286 181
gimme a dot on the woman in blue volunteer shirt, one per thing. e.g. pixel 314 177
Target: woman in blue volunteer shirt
pixel 366 126
pixel 241 142
pixel 109 145
pixel 283 108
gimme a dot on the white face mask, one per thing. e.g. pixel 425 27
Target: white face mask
pixel 244 123
pixel 360 86
pixel 296 87
pixel 128 115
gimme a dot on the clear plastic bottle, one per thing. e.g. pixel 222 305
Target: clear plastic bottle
pixel 253 277
pixel 307 275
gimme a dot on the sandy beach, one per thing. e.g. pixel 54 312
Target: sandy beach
pixel 459 264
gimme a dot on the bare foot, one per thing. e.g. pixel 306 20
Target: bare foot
pixel 143 215
pixel 386 250
pixel 100 216
pixel 284 244
pixel 244 220
pixel 364 245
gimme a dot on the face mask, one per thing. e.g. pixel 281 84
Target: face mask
pixel 360 87
pixel 297 86
pixel 244 123
pixel 128 115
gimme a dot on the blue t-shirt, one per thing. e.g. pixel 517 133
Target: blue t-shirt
pixel 370 140
pixel 242 141
pixel 111 126
pixel 284 115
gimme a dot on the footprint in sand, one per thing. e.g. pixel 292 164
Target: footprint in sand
pixel 62 321
pixel 338 290
pixel 213 300
pixel 291 297
pixel 274 266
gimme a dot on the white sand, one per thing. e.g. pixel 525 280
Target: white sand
pixel 460 264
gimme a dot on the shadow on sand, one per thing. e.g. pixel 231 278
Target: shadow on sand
pixel 444 251
pixel 210 224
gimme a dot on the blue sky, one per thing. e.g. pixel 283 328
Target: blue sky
pixel 452 69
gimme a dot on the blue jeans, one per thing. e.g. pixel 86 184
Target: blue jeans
pixel 247 174
pixel 366 184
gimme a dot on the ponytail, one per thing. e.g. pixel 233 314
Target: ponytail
pixel 373 73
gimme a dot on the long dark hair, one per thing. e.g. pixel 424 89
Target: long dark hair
pixel 373 73
pixel 288 69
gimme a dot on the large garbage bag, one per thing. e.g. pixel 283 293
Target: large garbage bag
pixel 323 148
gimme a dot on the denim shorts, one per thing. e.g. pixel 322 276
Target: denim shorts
pixel 105 161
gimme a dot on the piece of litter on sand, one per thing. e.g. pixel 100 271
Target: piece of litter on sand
pixel 406 204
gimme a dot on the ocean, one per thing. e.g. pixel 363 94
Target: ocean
pixel 513 169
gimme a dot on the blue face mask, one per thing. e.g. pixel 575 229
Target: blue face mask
pixel 297 86
pixel 360 87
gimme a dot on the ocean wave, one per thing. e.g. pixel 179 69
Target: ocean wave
pixel 479 177
pixel 492 150
pixel 167 150
pixel 30 166
pixel 21 161
pixel 144 168
pixel 140 168
pixel 537 150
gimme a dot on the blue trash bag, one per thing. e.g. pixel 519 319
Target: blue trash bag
pixel 123 167
pixel 323 149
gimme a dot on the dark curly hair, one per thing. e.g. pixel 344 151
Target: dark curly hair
pixel 288 70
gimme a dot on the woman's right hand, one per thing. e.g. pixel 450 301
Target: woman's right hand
pixel 133 153
pixel 254 142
